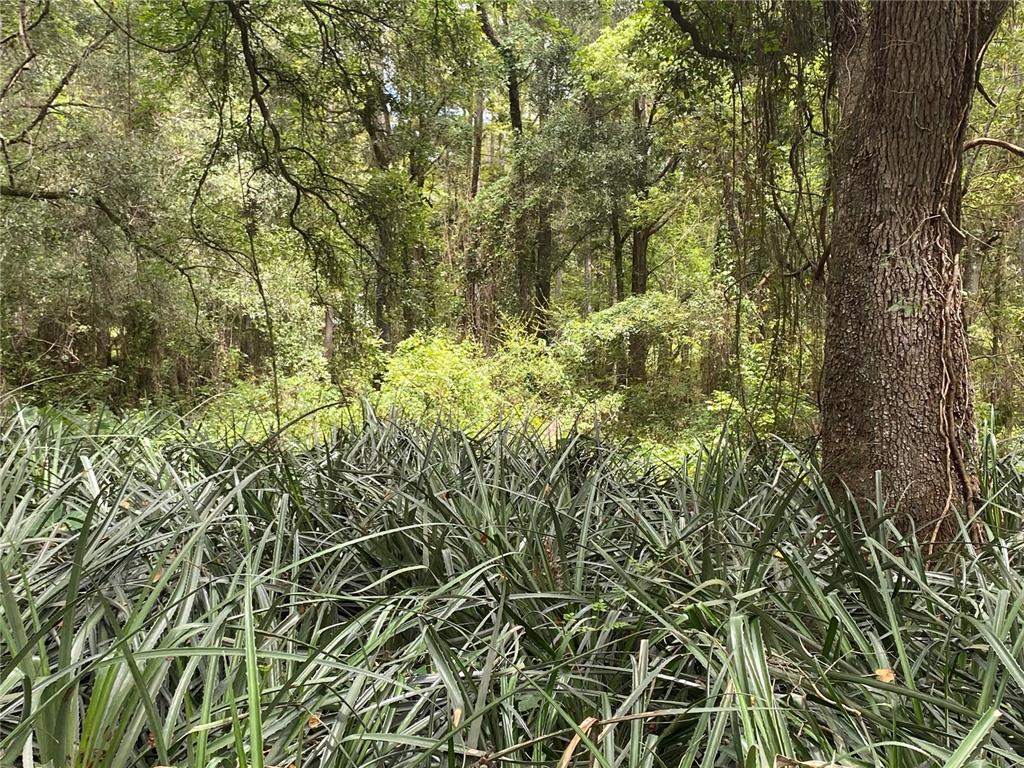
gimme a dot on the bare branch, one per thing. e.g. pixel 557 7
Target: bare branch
pixel 160 49
pixel 985 141
pixel 23 27
pixel 74 196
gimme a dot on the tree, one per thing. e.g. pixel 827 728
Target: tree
pixel 896 392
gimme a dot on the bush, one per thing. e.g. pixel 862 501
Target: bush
pixel 530 378
pixel 435 377
pixel 309 406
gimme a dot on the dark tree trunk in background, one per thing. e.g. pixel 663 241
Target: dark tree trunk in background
pixel 329 324
pixel 637 364
pixel 542 270
pixel 376 120
pixel 478 144
pixel 618 249
pixel 896 393
pixel 588 282
pixel 473 319
pixel 524 272
pixel 638 342
pixel 382 291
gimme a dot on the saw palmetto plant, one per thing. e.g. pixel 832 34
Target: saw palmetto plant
pixel 401 597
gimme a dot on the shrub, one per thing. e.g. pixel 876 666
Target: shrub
pixel 433 377
pixel 531 380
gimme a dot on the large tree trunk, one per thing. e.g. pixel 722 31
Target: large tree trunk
pixel 896 394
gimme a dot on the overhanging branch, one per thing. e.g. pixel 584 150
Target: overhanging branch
pixel 700 45
pixel 985 141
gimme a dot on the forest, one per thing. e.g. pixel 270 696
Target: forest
pixel 620 383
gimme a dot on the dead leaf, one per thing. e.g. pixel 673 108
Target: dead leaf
pixel 885 675
pixel 584 729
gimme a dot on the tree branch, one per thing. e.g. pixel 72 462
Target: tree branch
pixel 58 89
pixel 74 196
pixel 23 27
pixel 700 45
pixel 985 141
pixel 36 194
pixel 158 48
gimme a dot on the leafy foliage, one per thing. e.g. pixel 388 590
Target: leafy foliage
pixel 436 375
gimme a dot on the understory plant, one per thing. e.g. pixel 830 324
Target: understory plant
pixel 410 596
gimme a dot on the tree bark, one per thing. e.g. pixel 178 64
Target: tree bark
pixel 376 120
pixel 528 281
pixel 329 325
pixel 618 248
pixel 473 321
pixel 478 143
pixel 588 282
pixel 896 393
pixel 637 369
pixel 542 271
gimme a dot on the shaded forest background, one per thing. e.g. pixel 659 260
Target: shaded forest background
pixel 566 212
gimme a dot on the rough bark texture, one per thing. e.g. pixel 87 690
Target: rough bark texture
pixel 896 392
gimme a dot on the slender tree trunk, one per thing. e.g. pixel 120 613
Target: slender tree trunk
pixel 618 249
pixel 638 342
pixel 588 282
pixel 997 390
pixel 522 255
pixel 636 369
pixel 329 324
pixel 478 144
pixel 542 271
pixel 411 310
pixel 376 122
pixel 414 257
pixel 896 395
pixel 382 291
pixel 473 320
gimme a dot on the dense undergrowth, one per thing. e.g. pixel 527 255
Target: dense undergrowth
pixel 411 597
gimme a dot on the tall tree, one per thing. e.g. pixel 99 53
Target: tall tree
pixel 896 392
